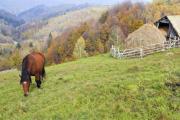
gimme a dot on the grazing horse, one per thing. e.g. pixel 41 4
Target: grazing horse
pixel 32 65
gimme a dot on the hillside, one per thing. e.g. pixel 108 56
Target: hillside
pixel 8 24
pixel 29 23
pixel 10 18
pixel 8 33
pixel 99 88
pixel 60 23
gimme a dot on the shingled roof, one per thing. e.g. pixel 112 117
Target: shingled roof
pixel 175 21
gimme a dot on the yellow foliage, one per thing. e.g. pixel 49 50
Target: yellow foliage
pixel 79 50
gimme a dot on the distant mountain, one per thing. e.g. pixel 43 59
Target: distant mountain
pixel 8 34
pixel 8 25
pixel 43 20
pixel 58 24
pixel 10 19
pixel 42 12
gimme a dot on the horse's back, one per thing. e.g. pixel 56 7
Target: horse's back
pixel 36 62
pixel 39 57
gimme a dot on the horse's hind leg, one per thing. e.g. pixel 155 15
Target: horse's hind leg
pixel 38 81
pixel 30 79
pixel 43 74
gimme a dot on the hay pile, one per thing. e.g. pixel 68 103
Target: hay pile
pixel 144 36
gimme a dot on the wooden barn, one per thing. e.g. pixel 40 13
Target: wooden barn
pixel 169 26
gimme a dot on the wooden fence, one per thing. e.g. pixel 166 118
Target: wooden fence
pixel 146 50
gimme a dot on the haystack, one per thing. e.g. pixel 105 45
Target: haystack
pixel 144 36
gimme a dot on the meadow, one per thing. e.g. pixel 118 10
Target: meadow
pixel 98 88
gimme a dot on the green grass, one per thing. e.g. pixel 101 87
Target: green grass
pixel 98 88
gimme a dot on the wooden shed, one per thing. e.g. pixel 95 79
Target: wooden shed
pixel 169 26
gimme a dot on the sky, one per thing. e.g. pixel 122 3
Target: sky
pixel 16 6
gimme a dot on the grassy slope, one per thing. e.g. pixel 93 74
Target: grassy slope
pixel 99 88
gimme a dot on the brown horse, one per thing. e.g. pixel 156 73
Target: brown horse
pixel 32 65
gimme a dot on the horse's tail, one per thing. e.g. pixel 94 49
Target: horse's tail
pixel 43 72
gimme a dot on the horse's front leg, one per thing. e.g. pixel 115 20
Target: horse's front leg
pixel 38 80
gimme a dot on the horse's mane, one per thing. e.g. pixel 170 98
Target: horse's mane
pixel 24 72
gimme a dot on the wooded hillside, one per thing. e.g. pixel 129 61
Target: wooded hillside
pixel 112 28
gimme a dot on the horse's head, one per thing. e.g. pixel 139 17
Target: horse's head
pixel 25 84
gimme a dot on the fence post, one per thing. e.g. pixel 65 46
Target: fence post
pixel 117 51
pixel 163 46
pixel 141 52
pixel 112 50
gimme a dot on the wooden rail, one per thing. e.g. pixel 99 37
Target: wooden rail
pixel 144 51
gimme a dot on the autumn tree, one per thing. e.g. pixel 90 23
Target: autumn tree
pixel 31 45
pixel 15 59
pixel 116 37
pixel 18 45
pixel 52 53
pixel 79 50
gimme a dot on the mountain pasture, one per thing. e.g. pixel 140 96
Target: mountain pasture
pixel 98 88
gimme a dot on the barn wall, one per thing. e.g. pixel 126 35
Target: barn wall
pixel 172 33
pixel 165 26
